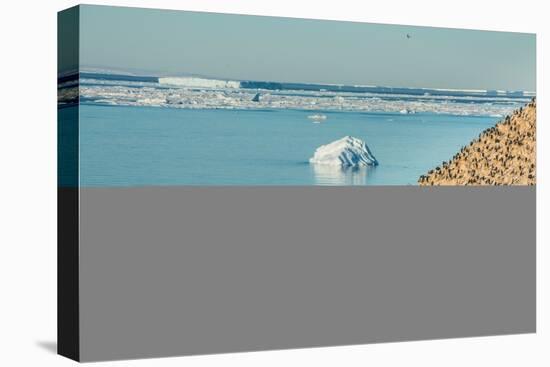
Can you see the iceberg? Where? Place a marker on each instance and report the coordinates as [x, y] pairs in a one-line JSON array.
[[345, 152]]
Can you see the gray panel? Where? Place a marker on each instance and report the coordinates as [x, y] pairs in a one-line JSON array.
[[183, 270]]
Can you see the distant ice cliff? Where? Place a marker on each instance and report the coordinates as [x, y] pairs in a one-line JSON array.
[[345, 152], [193, 82]]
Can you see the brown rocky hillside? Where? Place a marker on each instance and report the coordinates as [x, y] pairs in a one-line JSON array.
[[504, 154]]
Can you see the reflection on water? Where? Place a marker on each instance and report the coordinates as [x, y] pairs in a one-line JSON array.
[[328, 175]]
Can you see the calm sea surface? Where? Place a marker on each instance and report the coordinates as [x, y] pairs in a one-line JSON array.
[[143, 146]]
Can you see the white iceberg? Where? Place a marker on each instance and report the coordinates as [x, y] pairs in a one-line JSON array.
[[345, 152]]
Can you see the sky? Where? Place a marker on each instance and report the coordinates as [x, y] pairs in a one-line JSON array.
[[244, 47]]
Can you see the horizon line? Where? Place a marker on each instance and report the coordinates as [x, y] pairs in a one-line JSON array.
[[159, 74]]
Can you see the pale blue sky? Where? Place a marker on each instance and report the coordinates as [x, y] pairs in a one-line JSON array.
[[298, 50]]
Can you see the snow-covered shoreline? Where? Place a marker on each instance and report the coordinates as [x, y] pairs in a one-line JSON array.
[[203, 93]]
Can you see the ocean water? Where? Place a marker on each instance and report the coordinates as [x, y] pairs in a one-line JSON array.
[[150, 145], [151, 130]]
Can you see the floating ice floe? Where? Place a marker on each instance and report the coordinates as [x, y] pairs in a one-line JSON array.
[[407, 111], [345, 152], [317, 118]]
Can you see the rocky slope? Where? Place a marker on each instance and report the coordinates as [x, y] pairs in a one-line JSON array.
[[504, 154]]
